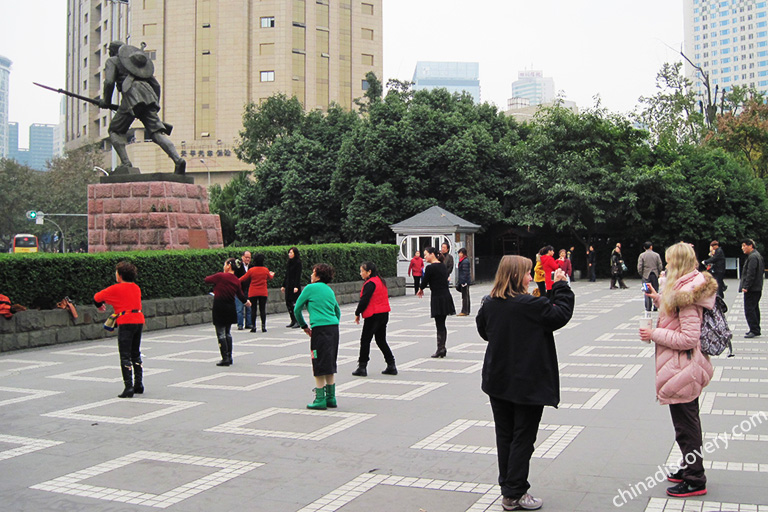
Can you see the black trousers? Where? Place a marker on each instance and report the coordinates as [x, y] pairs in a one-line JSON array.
[[290, 302], [685, 418], [416, 282], [465, 299], [752, 310], [591, 272], [516, 428], [375, 325], [618, 277], [262, 301], [653, 279], [129, 344], [720, 285]]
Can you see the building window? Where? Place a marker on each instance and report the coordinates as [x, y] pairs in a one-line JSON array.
[[365, 85], [267, 76], [268, 22], [367, 34], [367, 60], [368, 9]]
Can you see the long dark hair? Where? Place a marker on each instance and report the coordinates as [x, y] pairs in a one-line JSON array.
[[436, 253], [370, 266], [258, 260], [296, 256]]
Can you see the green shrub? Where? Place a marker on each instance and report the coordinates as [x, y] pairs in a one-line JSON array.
[[40, 280]]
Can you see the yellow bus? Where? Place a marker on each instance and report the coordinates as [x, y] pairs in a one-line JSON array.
[[25, 243]]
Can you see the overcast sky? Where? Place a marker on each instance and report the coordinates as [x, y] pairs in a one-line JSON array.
[[611, 48]]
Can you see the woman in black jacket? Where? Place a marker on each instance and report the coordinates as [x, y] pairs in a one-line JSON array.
[[441, 302], [292, 284], [520, 370]]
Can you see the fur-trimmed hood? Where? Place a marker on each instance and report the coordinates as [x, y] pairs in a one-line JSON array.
[[694, 288]]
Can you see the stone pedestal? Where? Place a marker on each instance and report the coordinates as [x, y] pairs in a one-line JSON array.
[[153, 215]]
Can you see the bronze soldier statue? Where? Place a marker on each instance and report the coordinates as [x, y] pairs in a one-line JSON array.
[[131, 70]]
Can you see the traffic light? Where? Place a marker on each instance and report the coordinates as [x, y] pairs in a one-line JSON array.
[[31, 214]]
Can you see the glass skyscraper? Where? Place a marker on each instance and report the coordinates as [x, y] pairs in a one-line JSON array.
[[5, 75], [454, 76]]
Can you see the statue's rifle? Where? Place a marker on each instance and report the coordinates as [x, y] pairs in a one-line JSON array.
[[74, 95], [111, 106]]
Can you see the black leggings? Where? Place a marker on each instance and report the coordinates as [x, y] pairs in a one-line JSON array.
[[375, 325], [416, 282], [440, 324], [262, 302]]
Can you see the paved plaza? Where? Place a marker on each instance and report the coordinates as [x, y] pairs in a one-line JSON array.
[[209, 439]]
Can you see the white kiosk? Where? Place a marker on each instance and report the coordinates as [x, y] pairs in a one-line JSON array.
[[433, 227]]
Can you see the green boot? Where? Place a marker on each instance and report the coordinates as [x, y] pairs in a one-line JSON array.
[[320, 402], [330, 395]]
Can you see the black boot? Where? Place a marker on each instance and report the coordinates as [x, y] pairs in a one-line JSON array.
[[229, 350], [293, 319], [128, 381], [361, 371], [138, 378], [225, 355], [390, 370], [441, 351]]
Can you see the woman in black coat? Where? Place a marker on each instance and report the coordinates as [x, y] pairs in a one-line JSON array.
[[292, 284], [520, 370], [441, 302]]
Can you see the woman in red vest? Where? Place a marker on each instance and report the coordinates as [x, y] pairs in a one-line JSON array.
[[374, 308]]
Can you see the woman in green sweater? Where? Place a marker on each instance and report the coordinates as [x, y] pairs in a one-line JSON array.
[[323, 331]]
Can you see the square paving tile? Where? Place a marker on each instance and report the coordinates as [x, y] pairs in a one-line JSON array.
[[179, 339], [613, 351], [113, 370], [339, 421], [599, 397], [482, 497], [719, 452], [10, 364], [730, 373], [204, 356], [30, 394], [257, 380], [132, 407], [733, 404], [71, 483], [699, 505], [382, 389], [610, 370], [305, 361], [26, 445], [449, 365], [548, 448]]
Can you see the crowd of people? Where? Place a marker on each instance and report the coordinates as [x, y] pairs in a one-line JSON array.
[[520, 368]]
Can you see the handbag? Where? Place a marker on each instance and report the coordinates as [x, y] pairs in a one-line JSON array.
[[715, 333]]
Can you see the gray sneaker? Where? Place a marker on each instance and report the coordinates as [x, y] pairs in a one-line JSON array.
[[524, 502]]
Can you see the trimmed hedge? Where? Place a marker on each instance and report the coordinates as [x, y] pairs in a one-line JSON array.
[[40, 280]]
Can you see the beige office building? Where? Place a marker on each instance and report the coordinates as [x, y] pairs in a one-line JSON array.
[[212, 57]]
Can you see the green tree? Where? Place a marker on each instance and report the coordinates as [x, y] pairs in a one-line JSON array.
[[575, 173], [671, 115], [745, 134], [20, 189], [263, 124], [223, 201]]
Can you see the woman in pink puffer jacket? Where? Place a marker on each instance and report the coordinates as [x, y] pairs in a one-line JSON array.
[[682, 370]]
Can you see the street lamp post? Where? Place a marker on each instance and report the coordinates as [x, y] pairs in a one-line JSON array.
[[202, 161]]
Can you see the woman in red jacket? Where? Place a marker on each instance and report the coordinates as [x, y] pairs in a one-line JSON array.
[[374, 308], [564, 263], [549, 265], [416, 269], [225, 288], [258, 275], [125, 297]]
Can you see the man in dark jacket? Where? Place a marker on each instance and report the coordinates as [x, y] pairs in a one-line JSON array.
[[591, 264], [716, 266], [448, 259], [752, 286], [243, 317], [465, 277]]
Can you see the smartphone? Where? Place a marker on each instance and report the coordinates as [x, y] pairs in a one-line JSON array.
[[646, 287]]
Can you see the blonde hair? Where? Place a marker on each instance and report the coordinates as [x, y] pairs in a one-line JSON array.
[[681, 260], [509, 277]]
